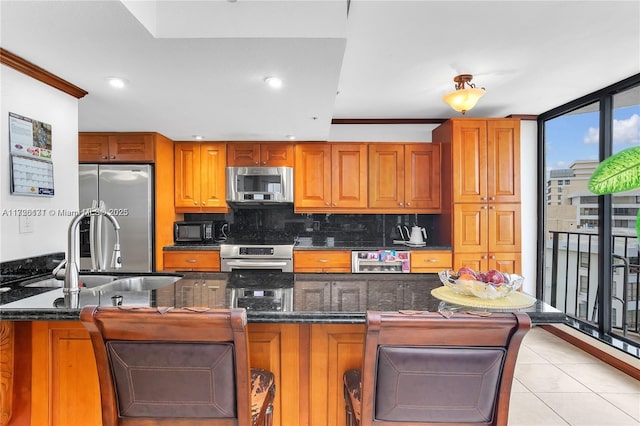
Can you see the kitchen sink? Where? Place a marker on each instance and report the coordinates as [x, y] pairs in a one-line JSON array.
[[89, 281], [139, 283]]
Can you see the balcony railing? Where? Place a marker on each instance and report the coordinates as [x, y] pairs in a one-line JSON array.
[[571, 279]]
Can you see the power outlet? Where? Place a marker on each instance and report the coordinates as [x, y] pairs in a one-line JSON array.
[[25, 224]]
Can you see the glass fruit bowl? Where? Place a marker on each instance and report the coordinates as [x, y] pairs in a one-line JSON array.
[[473, 285]]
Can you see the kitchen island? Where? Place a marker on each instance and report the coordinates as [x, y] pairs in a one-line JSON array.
[[306, 328]]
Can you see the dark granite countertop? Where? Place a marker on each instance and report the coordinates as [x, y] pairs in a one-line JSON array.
[[315, 246], [307, 298]]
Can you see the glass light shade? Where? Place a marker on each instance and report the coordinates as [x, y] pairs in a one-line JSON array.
[[463, 100]]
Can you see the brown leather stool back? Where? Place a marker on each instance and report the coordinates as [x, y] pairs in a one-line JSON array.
[[425, 369], [172, 366]]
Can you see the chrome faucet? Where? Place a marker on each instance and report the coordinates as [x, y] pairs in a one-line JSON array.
[[71, 288]]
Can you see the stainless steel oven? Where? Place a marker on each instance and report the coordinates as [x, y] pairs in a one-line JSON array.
[[256, 256], [261, 276]]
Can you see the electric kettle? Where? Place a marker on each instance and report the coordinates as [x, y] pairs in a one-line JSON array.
[[418, 235]]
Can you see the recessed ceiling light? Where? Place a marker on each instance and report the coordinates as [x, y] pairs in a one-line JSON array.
[[291, 137], [117, 82], [198, 137], [273, 82]]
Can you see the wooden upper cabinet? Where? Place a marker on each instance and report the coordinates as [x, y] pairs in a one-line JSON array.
[[349, 176], [386, 176], [200, 177], [422, 176], [503, 156], [312, 176], [486, 228], [330, 177], [272, 154], [116, 147], [404, 177], [485, 159]]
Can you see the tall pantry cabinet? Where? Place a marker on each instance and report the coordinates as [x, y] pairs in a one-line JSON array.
[[481, 191]]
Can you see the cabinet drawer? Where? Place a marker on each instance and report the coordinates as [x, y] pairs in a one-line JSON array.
[[322, 261], [192, 261], [431, 261]]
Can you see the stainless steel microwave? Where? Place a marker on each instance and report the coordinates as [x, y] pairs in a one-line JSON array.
[[259, 185]]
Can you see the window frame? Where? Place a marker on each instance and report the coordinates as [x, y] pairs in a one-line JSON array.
[[605, 98]]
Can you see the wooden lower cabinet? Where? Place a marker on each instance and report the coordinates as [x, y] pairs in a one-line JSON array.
[[308, 361], [338, 261], [184, 260], [276, 347], [334, 349], [430, 261], [64, 377], [504, 262]]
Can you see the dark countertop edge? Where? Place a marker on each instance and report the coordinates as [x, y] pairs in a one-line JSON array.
[[207, 247], [254, 317], [216, 247], [376, 248]]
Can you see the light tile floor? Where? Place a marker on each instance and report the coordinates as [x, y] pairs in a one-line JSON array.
[[559, 384]]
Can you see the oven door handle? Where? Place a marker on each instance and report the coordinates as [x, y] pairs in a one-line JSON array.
[[258, 265]]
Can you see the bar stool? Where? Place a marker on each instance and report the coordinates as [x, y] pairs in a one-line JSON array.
[[168, 366], [423, 369]]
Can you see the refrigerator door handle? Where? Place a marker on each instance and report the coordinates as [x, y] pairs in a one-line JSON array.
[[92, 238], [102, 262]]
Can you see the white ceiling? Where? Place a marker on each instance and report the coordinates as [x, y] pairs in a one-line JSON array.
[[197, 67]]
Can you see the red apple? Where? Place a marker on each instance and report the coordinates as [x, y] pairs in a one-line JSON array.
[[494, 276], [467, 271]]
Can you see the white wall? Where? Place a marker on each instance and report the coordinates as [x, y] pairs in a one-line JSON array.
[[528, 173], [23, 95]]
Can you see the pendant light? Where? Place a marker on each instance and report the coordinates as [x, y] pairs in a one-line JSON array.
[[466, 94]]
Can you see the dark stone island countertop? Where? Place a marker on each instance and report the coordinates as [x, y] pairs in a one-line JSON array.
[[269, 297]]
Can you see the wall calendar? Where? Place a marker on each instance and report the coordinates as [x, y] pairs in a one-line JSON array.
[[31, 163]]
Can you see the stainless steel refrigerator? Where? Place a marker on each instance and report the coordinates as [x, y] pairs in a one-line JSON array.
[[127, 192]]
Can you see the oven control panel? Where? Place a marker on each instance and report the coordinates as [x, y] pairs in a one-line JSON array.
[[256, 251]]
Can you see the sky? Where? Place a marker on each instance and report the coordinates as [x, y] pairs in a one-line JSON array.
[[575, 136]]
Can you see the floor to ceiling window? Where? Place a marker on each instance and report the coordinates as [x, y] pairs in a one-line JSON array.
[[588, 244]]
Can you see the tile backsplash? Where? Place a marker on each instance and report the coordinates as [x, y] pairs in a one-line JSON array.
[[280, 222]]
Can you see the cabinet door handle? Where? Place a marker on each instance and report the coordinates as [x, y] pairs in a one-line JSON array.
[[484, 207], [493, 257], [334, 204], [322, 260], [104, 157], [191, 260], [195, 203], [492, 207], [431, 260], [113, 157], [204, 203], [401, 204], [483, 257], [492, 198], [326, 203], [408, 204], [483, 198]]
